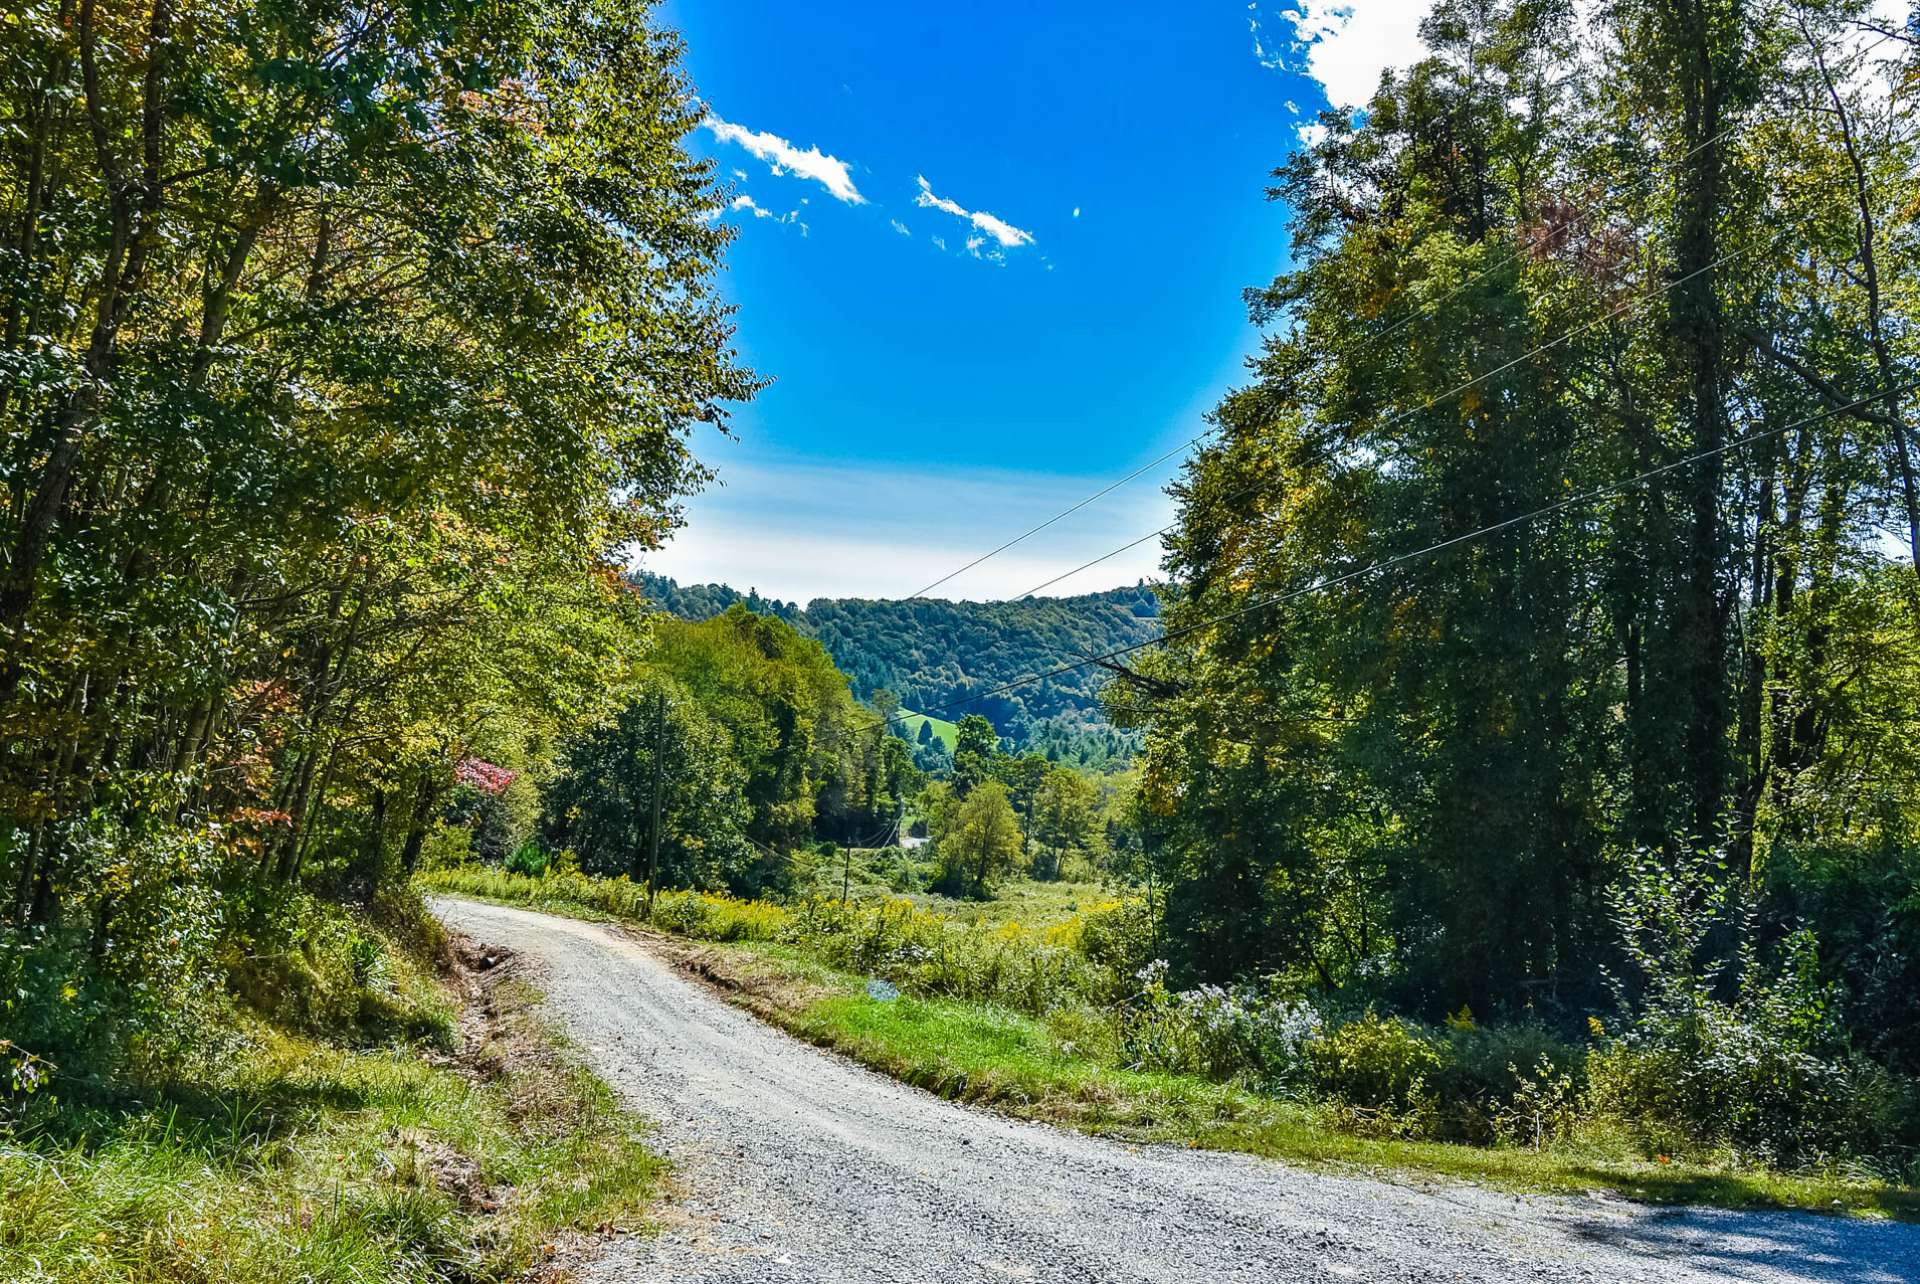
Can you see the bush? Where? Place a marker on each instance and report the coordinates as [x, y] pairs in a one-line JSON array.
[[1252, 1033], [1513, 1083], [528, 859], [313, 966], [1375, 1063], [1118, 938], [1739, 1048]]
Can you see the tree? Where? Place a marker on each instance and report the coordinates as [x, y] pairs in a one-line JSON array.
[[1023, 776], [975, 747], [978, 843], [349, 353], [601, 804], [1420, 703], [1063, 821]]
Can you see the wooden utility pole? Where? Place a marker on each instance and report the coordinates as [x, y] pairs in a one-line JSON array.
[[659, 770], [846, 871]]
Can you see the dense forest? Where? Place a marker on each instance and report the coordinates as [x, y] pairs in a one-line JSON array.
[[1544, 635], [932, 653], [346, 354]]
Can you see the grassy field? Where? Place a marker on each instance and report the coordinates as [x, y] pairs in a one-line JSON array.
[[1027, 902], [1061, 1068], [947, 732], [301, 1159], [883, 873]]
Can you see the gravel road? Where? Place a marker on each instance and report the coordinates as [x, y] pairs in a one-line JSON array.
[[794, 1165]]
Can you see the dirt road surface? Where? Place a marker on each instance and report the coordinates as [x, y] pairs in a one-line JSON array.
[[794, 1166]]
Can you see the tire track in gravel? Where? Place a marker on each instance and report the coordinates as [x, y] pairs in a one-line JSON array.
[[795, 1166]]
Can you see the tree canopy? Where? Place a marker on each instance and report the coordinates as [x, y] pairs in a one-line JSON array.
[[1546, 260], [346, 354]]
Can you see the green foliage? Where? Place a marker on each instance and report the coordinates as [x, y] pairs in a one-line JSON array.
[[1062, 821], [343, 361], [1375, 1064], [816, 764], [1440, 686], [1745, 1053], [978, 842], [931, 654], [529, 859], [600, 805]]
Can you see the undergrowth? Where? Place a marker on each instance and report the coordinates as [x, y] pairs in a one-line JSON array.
[[344, 1129], [1067, 1023]]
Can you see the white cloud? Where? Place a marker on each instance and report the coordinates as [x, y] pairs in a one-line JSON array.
[[998, 228], [940, 241], [1076, 211], [782, 157], [899, 227], [745, 202], [1343, 44]]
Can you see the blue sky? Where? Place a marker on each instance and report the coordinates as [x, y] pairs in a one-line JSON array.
[[993, 259]]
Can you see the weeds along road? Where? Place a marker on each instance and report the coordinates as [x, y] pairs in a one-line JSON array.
[[792, 1164]]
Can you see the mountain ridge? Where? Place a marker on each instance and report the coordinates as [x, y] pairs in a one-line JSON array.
[[934, 653]]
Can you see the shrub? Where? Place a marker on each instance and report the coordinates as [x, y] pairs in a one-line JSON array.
[[1118, 938], [1734, 1048], [1515, 1083], [310, 965], [1378, 1063], [1252, 1033], [528, 859]]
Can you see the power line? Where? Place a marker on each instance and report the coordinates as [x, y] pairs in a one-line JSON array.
[[1429, 404], [1099, 494], [1511, 256], [1335, 581], [1637, 301]]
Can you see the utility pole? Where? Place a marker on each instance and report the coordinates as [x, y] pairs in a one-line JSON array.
[[659, 770], [846, 871]]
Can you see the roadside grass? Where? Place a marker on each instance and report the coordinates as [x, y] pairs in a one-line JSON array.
[[300, 1159], [1061, 1070], [1021, 1066]]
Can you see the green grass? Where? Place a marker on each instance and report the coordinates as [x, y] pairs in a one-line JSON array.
[[1019, 1065], [1025, 901], [301, 1160], [1062, 1069], [947, 732]]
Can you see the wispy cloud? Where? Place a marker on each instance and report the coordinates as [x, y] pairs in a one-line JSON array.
[[747, 204], [782, 157], [1008, 236], [900, 227]]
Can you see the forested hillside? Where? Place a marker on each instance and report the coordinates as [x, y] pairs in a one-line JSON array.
[[932, 653]]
